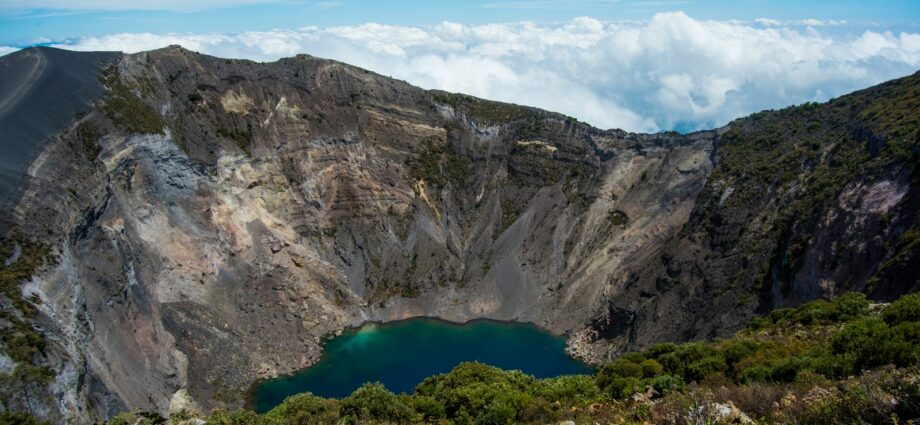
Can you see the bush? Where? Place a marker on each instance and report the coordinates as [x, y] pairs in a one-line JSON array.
[[847, 307], [498, 412], [701, 369], [660, 349], [540, 411], [664, 384], [619, 368], [741, 349], [306, 409], [651, 368], [869, 343], [237, 417], [634, 357], [428, 407], [620, 388], [375, 402], [572, 389], [467, 390], [850, 306], [905, 309]]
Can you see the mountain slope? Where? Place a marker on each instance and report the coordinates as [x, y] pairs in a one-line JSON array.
[[210, 220], [41, 92], [804, 202]]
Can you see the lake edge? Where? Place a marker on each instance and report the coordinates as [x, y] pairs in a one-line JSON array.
[[250, 400]]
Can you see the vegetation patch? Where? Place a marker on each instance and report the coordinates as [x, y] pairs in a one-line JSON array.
[[125, 109], [485, 112], [88, 136], [789, 167], [510, 213], [618, 218], [439, 165], [22, 388], [243, 139]]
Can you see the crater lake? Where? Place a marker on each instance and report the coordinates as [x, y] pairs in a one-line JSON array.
[[401, 354]]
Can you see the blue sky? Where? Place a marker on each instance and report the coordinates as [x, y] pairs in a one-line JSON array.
[[26, 21], [640, 65]]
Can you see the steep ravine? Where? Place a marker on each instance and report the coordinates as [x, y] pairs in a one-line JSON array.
[[209, 220]]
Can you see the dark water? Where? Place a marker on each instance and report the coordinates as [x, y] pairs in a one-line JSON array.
[[402, 354]]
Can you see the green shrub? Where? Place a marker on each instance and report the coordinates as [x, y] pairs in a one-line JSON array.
[[540, 411], [850, 306], [306, 409], [787, 369], [237, 417], [673, 363], [497, 412], [814, 312], [428, 407], [870, 343], [665, 384], [620, 388], [657, 350], [651, 368], [905, 309], [634, 357], [619, 368], [470, 387], [374, 402], [699, 370], [741, 349], [570, 389]]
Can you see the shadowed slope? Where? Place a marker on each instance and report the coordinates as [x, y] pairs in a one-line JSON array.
[[42, 89]]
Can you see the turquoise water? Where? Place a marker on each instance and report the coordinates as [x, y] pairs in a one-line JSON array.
[[401, 354]]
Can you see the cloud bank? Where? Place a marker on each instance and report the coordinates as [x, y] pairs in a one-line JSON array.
[[670, 72]]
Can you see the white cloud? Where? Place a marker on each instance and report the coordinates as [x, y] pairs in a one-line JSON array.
[[671, 71], [5, 50]]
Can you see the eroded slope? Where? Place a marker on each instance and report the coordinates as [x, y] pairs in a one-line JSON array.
[[212, 219]]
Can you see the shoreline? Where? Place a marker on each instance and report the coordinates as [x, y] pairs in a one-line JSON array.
[[249, 402]]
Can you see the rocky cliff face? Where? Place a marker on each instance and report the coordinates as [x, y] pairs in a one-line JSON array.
[[805, 202], [207, 221]]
